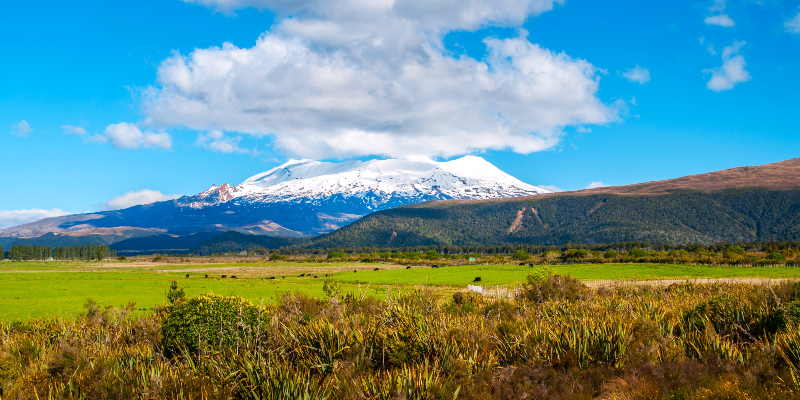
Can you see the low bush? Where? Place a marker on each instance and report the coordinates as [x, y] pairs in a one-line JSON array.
[[210, 321], [553, 287]]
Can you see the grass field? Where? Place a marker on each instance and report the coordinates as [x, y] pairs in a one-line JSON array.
[[35, 289]]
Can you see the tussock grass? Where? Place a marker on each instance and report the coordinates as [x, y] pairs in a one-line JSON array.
[[557, 340]]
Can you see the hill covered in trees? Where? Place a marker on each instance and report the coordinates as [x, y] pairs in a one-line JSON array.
[[681, 216]]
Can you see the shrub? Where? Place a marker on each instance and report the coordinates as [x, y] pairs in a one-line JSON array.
[[432, 255], [208, 320], [611, 254], [520, 255], [277, 257], [337, 254], [775, 256], [554, 287], [577, 254], [638, 253]]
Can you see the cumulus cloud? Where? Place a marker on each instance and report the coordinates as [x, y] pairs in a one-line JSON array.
[[732, 70], [551, 188], [128, 136], [217, 141], [21, 129], [348, 78], [719, 19], [73, 130], [793, 25], [595, 185], [9, 218], [637, 74], [131, 199]]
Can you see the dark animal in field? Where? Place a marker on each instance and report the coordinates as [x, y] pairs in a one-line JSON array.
[[206, 275], [530, 265], [326, 275], [376, 269], [434, 266], [355, 270], [233, 276], [224, 276], [522, 264], [478, 279], [408, 267], [315, 276], [302, 275], [271, 277], [187, 275]]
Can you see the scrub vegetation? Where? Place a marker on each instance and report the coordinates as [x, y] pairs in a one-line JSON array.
[[558, 339]]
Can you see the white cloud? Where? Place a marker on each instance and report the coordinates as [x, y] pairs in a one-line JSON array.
[[637, 74], [9, 218], [73, 130], [711, 50], [793, 25], [349, 78], [128, 136], [217, 141], [21, 129], [732, 70], [551, 188], [720, 20], [597, 184], [583, 129], [131, 199]]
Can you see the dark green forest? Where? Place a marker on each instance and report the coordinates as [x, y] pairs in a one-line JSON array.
[[681, 217], [41, 253]]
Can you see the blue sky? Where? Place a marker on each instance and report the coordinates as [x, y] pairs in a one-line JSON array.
[[99, 99]]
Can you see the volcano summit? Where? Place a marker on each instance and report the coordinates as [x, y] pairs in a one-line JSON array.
[[298, 198]]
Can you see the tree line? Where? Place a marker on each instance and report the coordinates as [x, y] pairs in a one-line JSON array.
[[90, 252]]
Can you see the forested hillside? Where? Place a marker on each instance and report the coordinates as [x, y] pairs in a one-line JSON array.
[[682, 216], [233, 241]]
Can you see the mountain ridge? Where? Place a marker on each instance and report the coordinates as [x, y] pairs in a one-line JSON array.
[[299, 198]]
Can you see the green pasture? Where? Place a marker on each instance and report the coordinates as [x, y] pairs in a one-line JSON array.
[[40, 289]]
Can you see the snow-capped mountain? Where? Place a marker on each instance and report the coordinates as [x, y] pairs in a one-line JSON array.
[[298, 198], [375, 183]]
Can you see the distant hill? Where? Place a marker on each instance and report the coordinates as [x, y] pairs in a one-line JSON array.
[[234, 242], [742, 204]]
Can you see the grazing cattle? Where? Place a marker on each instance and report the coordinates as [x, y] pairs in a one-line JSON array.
[[478, 279], [302, 275], [434, 266], [224, 276], [522, 264], [271, 277], [408, 267], [376, 269], [187, 275], [315, 276], [206, 275], [233, 276], [355, 270]]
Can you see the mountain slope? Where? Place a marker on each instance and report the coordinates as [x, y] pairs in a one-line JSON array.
[[299, 198], [743, 204]]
